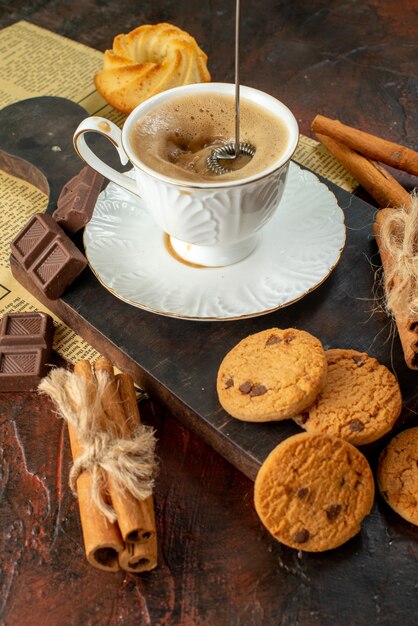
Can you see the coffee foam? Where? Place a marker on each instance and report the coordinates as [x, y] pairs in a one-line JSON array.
[[175, 138]]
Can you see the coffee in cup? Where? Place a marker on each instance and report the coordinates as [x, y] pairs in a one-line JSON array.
[[176, 137]]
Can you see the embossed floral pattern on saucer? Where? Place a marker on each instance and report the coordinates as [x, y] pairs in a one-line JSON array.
[[297, 249]]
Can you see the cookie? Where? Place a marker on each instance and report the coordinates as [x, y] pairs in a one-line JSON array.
[[360, 401], [397, 474], [313, 491], [271, 375]]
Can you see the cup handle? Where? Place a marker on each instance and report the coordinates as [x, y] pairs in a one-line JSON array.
[[113, 133]]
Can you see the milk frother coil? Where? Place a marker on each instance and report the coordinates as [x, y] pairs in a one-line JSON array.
[[231, 151], [228, 151]]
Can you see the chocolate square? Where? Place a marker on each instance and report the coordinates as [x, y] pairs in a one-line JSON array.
[[27, 329], [57, 267], [22, 368], [49, 256], [77, 200], [37, 233], [25, 349]]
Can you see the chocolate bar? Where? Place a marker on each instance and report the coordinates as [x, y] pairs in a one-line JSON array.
[[77, 200], [48, 255], [25, 349]]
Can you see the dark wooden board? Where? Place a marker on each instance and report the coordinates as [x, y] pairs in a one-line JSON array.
[[177, 360]]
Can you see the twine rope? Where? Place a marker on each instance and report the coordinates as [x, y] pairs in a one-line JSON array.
[[129, 462], [399, 235]]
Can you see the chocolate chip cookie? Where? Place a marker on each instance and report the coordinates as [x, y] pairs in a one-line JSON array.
[[313, 491], [397, 474], [360, 401], [271, 375]]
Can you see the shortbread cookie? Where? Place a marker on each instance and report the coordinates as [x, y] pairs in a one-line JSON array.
[[313, 491], [397, 474], [149, 59], [360, 402], [271, 375]]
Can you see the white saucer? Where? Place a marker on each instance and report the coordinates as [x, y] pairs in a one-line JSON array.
[[296, 251]]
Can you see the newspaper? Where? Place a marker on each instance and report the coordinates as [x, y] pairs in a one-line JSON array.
[[36, 62], [315, 156]]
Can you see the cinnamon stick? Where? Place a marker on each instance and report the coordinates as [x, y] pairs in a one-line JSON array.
[[102, 540], [135, 517], [373, 177], [408, 337], [373, 147], [130, 406], [139, 557]]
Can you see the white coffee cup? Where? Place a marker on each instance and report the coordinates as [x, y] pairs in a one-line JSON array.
[[211, 224]]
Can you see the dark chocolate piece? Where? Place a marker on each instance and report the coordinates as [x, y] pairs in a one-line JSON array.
[[77, 200], [21, 369], [48, 255], [57, 267], [25, 349], [27, 329], [34, 237]]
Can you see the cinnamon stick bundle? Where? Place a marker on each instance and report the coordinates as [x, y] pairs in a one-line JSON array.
[[113, 461], [371, 146], [407, 324], [135, 517], [356, 149]]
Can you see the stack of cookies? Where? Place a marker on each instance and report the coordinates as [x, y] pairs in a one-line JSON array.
[[315, 488]]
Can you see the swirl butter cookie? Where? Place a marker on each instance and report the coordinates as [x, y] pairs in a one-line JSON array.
[[313, 491], [147, 60], [360, 401], [397, 474], [271, 375]]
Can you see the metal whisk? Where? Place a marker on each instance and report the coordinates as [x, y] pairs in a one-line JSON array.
[[231, 151]]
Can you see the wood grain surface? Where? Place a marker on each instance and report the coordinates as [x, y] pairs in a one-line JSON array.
[[217, 565]]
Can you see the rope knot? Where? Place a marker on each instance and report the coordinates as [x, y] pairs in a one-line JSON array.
[[129, 462], [94, 455]]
